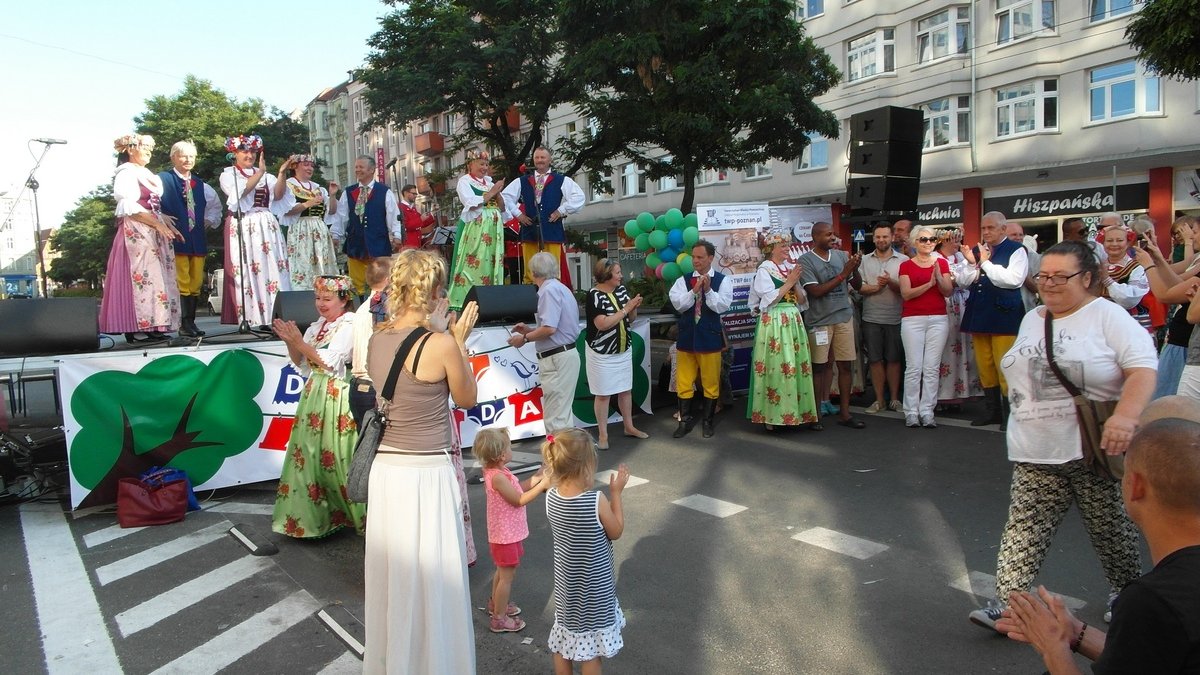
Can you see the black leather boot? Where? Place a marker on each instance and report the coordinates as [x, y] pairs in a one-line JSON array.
[[710, 408], [686, 421], [187, 322], [991, 410], [1004, 410]]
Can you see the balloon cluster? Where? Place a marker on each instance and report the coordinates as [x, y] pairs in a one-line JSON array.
[[668, 239]]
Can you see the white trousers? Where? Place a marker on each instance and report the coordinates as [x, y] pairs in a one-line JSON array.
[[560, 375], [924, 337]]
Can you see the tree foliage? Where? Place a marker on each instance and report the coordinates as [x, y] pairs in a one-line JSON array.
[[712, 83], [478, 60], [1166, 34], [84, 239]]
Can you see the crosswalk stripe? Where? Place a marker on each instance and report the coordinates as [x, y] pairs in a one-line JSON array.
[[603, 477], [242, 508], [163, 552], [185, 595], [74, 637], [984, 585], [710, 505], [108, 534], [245, 637], [346, 664], [840, 542]]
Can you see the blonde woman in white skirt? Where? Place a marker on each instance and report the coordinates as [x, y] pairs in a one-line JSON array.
[[608, 357]]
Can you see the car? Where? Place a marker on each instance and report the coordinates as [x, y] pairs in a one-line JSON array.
[[216, 291]]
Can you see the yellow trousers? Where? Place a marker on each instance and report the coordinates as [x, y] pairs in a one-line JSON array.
[[358, 274], [528, 248], [189, 272], [688, 365], [989, 349]]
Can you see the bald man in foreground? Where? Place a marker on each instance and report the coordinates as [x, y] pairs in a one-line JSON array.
[[1156, 621]]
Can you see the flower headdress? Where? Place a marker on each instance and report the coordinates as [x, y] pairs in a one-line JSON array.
[[473, 155], [253, 142], [342, 285], [776, 235], [130, 141], [296, 159]]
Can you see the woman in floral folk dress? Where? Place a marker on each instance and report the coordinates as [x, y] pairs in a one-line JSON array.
[[781, 381], [479, 248], [311, 500], [306, 210], [958, 374], [141, 298]]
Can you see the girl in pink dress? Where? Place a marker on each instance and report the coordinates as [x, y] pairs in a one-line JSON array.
[[507, 526]]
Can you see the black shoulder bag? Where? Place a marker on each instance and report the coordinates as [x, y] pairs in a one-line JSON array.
[[1091, 415], [374, 422]]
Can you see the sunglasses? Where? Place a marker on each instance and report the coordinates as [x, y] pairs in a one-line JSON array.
[[927, 240]]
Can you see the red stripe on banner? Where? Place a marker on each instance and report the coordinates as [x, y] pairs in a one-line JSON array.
[[278, 433]]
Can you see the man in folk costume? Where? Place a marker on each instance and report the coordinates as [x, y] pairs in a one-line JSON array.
[[546, 198], [994, 309], [700, 298], [194, 205], [367, 223], [416, 226]]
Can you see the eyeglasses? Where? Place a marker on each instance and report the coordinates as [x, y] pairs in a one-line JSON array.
[[1054, 279], [927, 240]]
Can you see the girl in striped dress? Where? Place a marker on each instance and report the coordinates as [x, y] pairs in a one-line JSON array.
[[584, 523]]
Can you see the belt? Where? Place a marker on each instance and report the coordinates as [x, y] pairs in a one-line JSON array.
[[553, 350]]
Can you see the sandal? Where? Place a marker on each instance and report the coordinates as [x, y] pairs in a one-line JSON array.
[[511, 610], [852, 423], [507, 624]]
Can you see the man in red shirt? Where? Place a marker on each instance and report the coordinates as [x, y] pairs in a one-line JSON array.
[[415, 224]]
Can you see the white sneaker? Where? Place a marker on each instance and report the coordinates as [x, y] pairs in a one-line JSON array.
[[910, 421], [928, 422], [874, 408]]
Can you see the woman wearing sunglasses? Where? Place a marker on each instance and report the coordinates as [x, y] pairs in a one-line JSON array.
[[925, 284]]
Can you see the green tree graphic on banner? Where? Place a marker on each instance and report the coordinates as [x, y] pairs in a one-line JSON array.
[[175, 411], [583, 404]]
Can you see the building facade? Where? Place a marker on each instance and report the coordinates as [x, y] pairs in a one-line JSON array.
[[18, 252], [1035, 108]]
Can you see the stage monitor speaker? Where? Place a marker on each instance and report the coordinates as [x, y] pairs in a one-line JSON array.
[[883, 193], [49, 326], [889, 123], [896, 158], [298, 306], [504, 305]]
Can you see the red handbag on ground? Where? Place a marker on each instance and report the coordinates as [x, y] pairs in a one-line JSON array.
[[150, 501]]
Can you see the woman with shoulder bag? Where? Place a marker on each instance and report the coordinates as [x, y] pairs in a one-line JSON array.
[[418, 607], [1103, 351]]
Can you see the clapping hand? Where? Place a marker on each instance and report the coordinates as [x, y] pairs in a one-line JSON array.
[[439, 316], [262, 162], [287, 331], [634, 303], [461, 326], [618, 479], [968, 254], [334, 187], [985, 252], [793, 274]]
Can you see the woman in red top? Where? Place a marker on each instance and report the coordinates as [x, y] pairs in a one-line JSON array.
[[925, 283]]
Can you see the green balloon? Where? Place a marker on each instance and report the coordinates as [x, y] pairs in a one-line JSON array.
[[645, 221], [671, 272], [691, 235], [658, 239], [642, 241], [660, 223], [632, 230], [653, 261], [674, 219], [691, 220], [685, 264]]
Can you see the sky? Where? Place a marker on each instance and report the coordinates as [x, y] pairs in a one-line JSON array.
[[81, 70]]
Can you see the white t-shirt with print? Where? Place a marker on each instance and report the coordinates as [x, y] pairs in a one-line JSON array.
[[1093, 347]]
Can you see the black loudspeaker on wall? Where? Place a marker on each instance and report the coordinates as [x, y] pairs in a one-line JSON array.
[[504, 304], [49, 326], [895, 158], [298, 306], [883, 193]]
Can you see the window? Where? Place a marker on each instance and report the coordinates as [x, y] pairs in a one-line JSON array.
[[815, 155], [633, 180], [945, 33], [451, 120], [1122, 90], [1026, 108], [807, 9], [602, 189], [667, 183], [758, 171], [871, 55], [947, 121], [708, 176], [1018, 19], [357, 112], [1107, 9]]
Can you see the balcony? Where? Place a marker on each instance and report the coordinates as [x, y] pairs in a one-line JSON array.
[[430, 143], [512, 119], [424, 186]]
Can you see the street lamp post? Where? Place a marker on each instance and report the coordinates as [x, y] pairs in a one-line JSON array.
[[32, 184]]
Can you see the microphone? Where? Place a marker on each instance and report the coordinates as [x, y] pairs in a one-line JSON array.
[[50, 141]]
